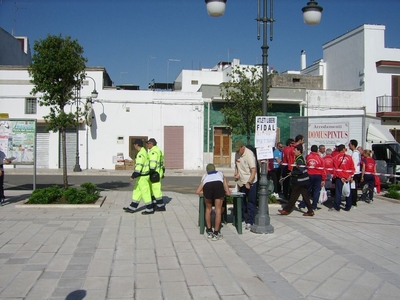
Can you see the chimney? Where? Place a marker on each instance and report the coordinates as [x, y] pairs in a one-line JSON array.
[[303, 59]]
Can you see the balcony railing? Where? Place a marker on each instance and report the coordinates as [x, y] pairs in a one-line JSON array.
[[388, 104]]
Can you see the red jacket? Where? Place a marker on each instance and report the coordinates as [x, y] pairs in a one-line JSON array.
[[328, 163], [315, 165], [288, 156], [344, 165]]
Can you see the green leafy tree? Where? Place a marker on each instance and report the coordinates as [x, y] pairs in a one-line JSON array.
[[243, 100], [57, 69]]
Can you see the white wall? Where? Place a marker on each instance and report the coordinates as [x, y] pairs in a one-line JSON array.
[[116, 113], [328, 103]]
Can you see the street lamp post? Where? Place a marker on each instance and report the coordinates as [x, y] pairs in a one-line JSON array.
[[94, 94], [311, 16], [170, 59]]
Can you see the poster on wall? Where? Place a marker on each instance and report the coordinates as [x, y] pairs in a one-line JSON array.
[[17, 140]]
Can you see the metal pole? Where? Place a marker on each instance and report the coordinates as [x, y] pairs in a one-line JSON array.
[[262, 220], [77, 167]]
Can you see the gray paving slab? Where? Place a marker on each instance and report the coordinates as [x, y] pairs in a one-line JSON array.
[[105, 253]]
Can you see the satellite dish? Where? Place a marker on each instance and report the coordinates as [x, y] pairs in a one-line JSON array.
[[89, 114]]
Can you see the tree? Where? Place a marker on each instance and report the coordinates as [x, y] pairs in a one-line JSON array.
[[57, 69], [243, 100]]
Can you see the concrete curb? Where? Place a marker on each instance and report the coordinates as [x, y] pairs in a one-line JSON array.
[[98, 204]]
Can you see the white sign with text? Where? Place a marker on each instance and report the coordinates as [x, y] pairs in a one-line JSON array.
[[265, 135]]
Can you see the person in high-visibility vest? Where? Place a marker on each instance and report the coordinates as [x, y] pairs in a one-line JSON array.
[[156, 157], [141, 189]]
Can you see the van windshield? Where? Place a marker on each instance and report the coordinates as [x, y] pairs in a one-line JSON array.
[[387, 152]]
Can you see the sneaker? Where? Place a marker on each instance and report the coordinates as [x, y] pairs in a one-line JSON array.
[[217, 236], [332, 209], [248, 226], [209, 233], [2, 202], [354, 207]]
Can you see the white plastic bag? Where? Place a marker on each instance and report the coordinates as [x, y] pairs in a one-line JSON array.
[[323, 195], [346, 189]]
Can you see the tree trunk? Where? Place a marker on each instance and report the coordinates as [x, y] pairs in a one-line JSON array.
[[64, 158]]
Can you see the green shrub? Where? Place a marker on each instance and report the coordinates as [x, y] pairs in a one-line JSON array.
[[90, 188], [87, 194], [393, 191], [45, 196]]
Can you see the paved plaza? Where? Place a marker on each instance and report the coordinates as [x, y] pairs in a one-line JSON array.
[[105, 253]]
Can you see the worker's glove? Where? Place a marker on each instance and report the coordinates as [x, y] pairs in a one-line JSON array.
[[135, 174]]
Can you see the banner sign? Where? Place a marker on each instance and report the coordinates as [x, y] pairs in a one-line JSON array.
[[17, 140], [328, 134]]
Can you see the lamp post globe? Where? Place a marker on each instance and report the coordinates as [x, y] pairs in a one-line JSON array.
[[312, 13], [216, 8]]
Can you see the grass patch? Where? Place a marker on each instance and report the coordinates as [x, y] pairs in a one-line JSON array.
[[87, 194]]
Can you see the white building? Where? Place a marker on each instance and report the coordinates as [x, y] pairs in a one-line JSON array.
[[359, 61], [174, 119]]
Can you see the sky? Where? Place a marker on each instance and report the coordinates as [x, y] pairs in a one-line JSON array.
[[140, 40]]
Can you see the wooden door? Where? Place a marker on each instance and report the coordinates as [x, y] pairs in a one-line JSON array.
[[222, 147]]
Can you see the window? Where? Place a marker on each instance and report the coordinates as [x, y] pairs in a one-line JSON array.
[[30, 106], [195, 82]]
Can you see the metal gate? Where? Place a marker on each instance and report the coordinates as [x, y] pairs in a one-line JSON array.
[[71, 149], [42, 147]]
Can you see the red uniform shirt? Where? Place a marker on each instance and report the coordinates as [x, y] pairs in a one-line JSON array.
[[315, 165], [369, 165], [344, 165]]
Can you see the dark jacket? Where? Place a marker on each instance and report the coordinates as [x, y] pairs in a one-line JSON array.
[[299, 172]]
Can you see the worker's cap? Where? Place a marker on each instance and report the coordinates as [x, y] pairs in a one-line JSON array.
[[210, 168], [237, 145], [153, 141], [138, 142]]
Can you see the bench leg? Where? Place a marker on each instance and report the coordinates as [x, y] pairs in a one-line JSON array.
[[237, 208], [225, 213], [201, 221]]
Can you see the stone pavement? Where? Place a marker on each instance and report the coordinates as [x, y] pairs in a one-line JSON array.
[[105, 253]]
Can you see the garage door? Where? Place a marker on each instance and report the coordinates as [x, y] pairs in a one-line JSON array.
[[173, 147]]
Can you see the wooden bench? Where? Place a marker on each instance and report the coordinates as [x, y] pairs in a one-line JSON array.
[[236, 212]]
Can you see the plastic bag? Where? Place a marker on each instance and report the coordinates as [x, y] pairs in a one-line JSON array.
[[323, 195], [346, 189]]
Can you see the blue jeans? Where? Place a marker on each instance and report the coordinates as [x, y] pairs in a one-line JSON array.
[[338, 196], [314, 188], [249, 206]]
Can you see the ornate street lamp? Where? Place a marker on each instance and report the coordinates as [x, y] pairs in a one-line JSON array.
[[94, 94], [312, 16]]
